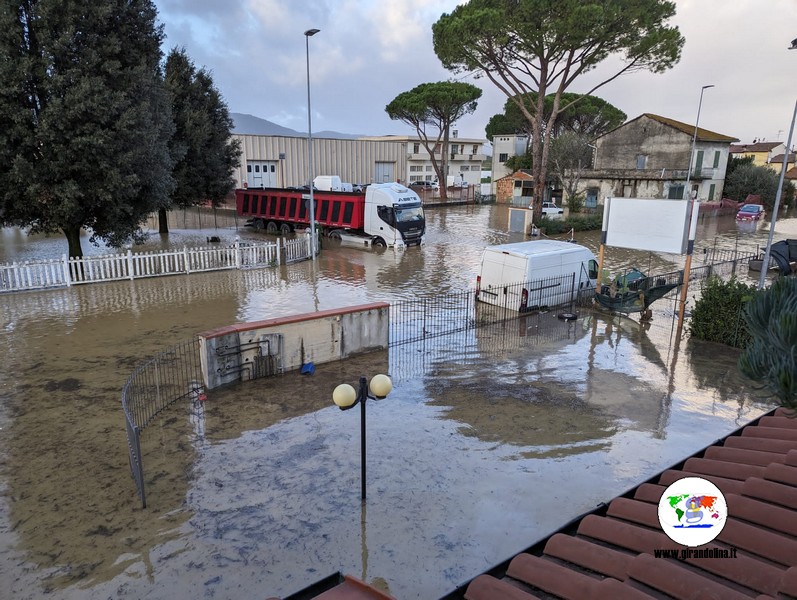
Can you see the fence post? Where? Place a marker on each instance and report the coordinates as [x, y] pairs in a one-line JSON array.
[[309, 247], [67, 277], [279, 252], [130, 263], [185, 259], [237, 253]]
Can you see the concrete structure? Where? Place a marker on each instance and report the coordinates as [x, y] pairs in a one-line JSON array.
[[251, 350], [465, 156], [280, 161]]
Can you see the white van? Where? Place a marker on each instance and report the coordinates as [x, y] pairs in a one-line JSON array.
[[328, 183], [530, 275]]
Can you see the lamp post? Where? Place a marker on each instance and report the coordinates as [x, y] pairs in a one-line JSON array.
[[307, 35], [690, 247], [345, 397], [767, 253], [694, 142]]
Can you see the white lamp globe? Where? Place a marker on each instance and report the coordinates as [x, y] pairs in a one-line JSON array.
[[344, 396], [380, 385]]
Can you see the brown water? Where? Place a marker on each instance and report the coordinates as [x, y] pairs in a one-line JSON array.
[[490, 440]]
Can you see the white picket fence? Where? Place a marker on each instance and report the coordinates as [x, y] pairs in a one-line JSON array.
[[40, 274]]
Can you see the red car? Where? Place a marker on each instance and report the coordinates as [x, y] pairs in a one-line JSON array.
[[750, 212]]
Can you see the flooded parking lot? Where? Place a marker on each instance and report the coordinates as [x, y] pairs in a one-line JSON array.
[[491, 439]]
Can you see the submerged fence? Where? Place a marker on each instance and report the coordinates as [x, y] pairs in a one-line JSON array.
[[172, 375], [64, 272]]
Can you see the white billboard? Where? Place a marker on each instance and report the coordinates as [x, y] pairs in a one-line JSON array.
[[649, 224]]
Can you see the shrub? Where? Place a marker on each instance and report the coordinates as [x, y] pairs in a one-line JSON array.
[[581, 222], [771, 354], [718, 317]]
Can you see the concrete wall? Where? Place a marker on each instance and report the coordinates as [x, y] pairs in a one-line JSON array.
[[249, 350]]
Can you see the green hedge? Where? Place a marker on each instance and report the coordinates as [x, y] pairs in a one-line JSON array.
[[580, 222], [718, 315]]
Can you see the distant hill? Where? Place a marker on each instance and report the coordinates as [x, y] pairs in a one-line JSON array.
[[256, 126]]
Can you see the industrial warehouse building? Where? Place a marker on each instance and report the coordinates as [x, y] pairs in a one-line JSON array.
[[282, 161]]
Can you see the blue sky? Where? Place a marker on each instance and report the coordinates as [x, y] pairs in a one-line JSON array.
[[369, 51]]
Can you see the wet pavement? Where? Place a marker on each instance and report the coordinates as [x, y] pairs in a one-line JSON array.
[[533, 421]]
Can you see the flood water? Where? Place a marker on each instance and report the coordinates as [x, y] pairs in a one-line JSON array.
[[491, 439]]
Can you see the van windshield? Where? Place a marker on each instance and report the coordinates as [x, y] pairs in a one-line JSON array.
[[405, 215]]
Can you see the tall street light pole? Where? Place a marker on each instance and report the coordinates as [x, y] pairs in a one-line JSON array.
[[307, 35], [767, 253], [688, 192], [694, 143]]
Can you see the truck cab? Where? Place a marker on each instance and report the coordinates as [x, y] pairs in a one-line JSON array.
[[393, 215]]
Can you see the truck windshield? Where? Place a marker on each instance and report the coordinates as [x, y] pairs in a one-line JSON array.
[[405, 215]]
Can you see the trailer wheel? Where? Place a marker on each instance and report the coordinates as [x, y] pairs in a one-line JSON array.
[[379, 243], [271, 227], [258, 224], [285, 229]]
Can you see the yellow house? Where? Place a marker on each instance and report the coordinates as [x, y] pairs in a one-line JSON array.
[[762, 152], [776, 162]]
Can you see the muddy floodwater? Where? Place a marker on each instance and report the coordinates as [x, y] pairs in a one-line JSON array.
[[491, 439]]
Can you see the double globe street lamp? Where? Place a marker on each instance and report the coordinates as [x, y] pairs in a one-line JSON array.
[[345, 397]]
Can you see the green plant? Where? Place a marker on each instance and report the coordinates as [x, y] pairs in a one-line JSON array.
[[575, 203], [581, 222], [717, 316], [771, 354]]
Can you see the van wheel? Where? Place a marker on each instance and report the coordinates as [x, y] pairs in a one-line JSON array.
[[258, 224], [285, 229], [271, 227], [379, 243]]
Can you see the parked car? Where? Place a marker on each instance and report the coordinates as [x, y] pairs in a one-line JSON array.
[[750, 212], [550, 209], [425, 185]]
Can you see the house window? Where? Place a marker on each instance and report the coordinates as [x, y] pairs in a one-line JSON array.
[[676, 192], [503, 157], [416, 168], [592, 198], [641, 161], [711, 189], [464, 168], [429, 168], [475, 149], [716, 159], [416, 148]]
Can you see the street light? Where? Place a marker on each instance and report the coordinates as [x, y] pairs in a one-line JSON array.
[[690, 247], [307, 35], [345, 397], [694, 142], [767, 253]]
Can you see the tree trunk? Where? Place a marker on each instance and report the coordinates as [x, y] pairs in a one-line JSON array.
[[444, 157], [163, 224], [73, 239]]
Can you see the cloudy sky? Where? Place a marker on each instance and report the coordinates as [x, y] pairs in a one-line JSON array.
[[368, 51]]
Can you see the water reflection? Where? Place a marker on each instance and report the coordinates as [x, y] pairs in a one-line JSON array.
[[258, 495]]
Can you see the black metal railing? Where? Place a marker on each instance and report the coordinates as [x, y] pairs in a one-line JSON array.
[[425, 318], [172, 375]]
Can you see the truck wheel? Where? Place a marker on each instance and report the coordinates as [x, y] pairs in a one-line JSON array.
[[334, 234], [271, 227], [285, 229], [379, 243], [258, 224]]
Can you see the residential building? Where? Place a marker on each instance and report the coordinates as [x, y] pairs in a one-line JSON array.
[[776, 162], [465, 156], [648, 157], [762, 152], [505, 147]]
